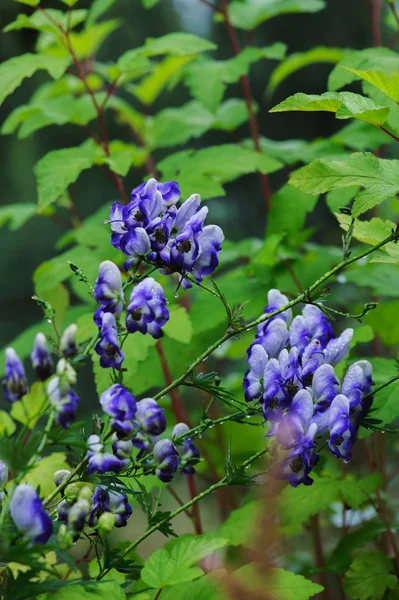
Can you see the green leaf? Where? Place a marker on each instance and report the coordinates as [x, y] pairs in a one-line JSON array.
[[149, 88], [178, 44], [179, 325], [29, 2], [174, 126], [203, 588], [360, 136], [7, 425], [384, 322], [279, 583], [16, 69], [388, 83], [371, 58], [206, 170], [208, 79], [345, 105], [239, 528], [369, 577], [31, 407], [248, 14], [16, 215], [379, 177], [341, 557], [289, 209], [299, 60], [175, 562], [101, 590], [97, 8], [231, 114], [372, 232], [59, 168], [42, 473], [39, 21]]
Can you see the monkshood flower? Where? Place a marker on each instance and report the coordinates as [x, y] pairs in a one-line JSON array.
[[189, 454], [112, 502], [60, 476], [147, 311], [166, 459], [108, 291], [68, 344], [150, 416], [26, 509], [101, 461], [291, 371], [342, 432], [41, 358], [173, 238], [108, 347], [121, 448], [3, 474], [65, 402], [120, 404], [14, 382], [78, 513], [301, 460]]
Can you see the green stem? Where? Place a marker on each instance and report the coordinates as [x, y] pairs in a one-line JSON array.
[[382, 386], [222, 483], [304, 297]]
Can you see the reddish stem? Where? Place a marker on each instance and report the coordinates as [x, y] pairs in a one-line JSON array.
[[159, 592], [247, 93], [195, 509], [376, 21], [319, 556]]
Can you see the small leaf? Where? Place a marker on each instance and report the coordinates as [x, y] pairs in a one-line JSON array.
[[179, 325], [42, 474], [369, 577], [345, 105], [59, 168], [249, 14], [175, 563], [379, 177], [15, 216], [31, 407], [178, 44], [280, 584], [7, 425], [388, 83], [97, 8], [16, 69], [299, 60]]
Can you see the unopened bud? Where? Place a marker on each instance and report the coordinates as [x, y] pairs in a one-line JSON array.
[[72, 492], [106, 523], [68, 344], [67, 375], [60, 476], [78, 514], [3, 474]]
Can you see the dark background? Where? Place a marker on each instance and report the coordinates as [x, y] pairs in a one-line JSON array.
[[344, 23]]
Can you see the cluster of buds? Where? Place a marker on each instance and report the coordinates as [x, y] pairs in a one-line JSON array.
[[292, 373]]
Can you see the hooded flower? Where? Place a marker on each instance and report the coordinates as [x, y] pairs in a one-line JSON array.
[[150, 417], [64, 400], [188, 453], [254, 377], [14, 382], [147, 311], [41, 358], [166, 459], [101, 461], [342, 432], [68, 344], [26, 509], [108, 347], [108, 291]]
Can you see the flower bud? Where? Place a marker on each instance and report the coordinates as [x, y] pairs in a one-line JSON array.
[[60, 476], [121, 448], [14, 383], [68, 344], [150, 416], [78, 514], [64, 538], [72, 492], [94, 443], [41, 358], [106, 523], [30, 518], [188, 453], [66, 374], [3, 474]]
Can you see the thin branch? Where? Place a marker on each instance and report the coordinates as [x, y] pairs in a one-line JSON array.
[[376, 21], [392, 135], [319, 556]]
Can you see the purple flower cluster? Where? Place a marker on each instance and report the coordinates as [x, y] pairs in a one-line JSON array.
[[62, 396], [175, 239], [292, 373], [139, 425]]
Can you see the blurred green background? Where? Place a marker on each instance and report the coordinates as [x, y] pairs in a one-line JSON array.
[[241, 211]]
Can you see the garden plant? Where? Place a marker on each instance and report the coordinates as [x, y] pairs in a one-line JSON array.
[[242, 442]]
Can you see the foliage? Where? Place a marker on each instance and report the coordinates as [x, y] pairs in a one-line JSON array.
[[158, 318]]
